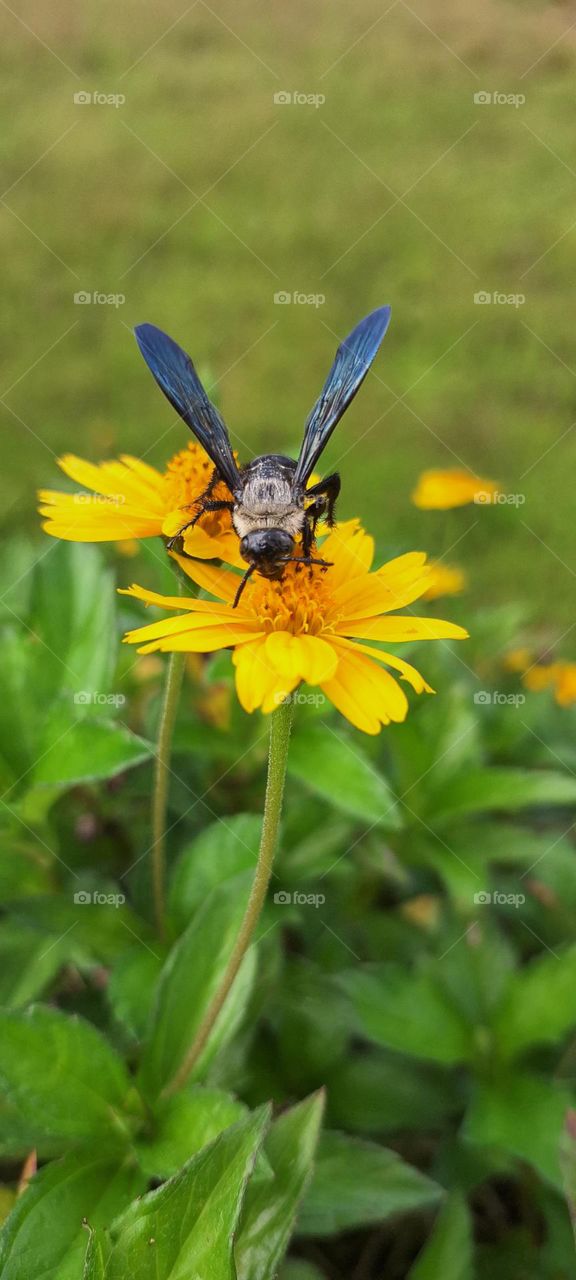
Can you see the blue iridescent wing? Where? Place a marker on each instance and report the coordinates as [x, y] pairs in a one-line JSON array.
[[353, 359], [177, 377]]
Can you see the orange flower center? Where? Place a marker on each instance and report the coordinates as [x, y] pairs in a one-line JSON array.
[[187, 476], [300, 602]]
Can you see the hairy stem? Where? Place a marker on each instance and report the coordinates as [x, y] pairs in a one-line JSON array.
[[281, 721], [161, 780]]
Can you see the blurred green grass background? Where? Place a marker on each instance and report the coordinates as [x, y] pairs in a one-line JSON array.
[[199, 198]]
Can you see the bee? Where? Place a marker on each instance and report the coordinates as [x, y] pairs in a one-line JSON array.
[[273, 511]]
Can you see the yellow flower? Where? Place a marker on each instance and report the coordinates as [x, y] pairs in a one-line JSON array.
[[560, 676], [447, 580], [131, 499], [440, 490], [308, 626], [518, 660]]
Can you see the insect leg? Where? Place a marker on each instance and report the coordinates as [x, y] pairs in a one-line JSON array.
[[327, 490], [203, 503]]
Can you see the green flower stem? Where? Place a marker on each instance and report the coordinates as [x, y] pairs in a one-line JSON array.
[[281, 721], [172, 687]]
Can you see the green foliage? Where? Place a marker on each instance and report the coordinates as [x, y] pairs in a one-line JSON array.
[[414, 972], [188, 983], [449, 1251], [357, 1183], [342, 774]]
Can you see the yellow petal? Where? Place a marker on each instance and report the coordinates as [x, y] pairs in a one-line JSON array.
[[366, 694], [110, 528], [113, 479], [257, 681], [351, 552], [301, 657], [319, 659], [393, 629], [180, 602], [200, 640], [188, 622], [407, 671], [370, 595], [219, 582], [454, 487], [445, 580]]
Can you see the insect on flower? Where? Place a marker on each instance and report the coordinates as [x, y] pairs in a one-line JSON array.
[[272, 508]]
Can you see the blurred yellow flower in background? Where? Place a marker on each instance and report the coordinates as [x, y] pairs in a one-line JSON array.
[[131, 499], [441, 490], [308, 626], [518, 660], [446, 580], [558, 676]]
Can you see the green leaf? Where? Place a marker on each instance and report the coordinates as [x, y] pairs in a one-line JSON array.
[[74, 605], [62, 1083], [524, 1115], [223, 850], [189, 981], [342, 774], [409, 1012], [482, 790], [84, 925], [97, 1255], [184, 1124], [357, 1183], [382, 1092], [44, 1236], [297, 1269], [568, 1163], [449, 1251], [271, 1205], [86, 751], [28, 962], [65, 647], [186, 1228], [538, 1006], [132, 986]]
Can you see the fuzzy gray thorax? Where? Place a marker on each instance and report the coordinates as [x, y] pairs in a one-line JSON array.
[[268, 500]]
